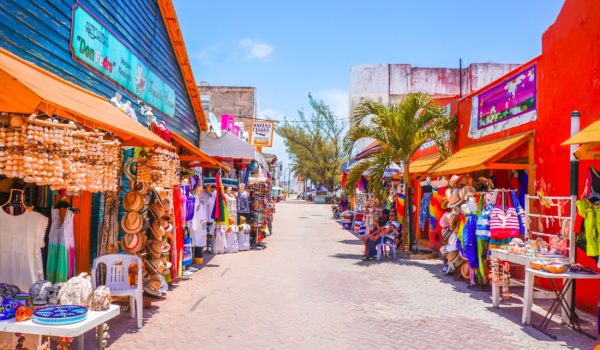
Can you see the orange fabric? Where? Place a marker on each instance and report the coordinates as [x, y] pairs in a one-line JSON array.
[[81, 231], [422, 165], [26, 88]]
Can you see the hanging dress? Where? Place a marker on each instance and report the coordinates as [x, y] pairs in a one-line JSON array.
[[232, 207], [61, 248], [197, 225]]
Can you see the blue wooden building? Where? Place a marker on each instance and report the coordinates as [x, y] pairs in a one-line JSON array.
[[144, 31]]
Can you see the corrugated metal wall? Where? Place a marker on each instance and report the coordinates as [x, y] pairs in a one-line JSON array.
[[39, 31]]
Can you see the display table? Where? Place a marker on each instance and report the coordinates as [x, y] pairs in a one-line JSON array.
[[517, 259], [76, 330], [562, 300]]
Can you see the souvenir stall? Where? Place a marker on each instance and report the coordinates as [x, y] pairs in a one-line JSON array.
[[59, 144], [260, 213]]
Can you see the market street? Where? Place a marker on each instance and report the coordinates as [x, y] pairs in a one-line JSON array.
[[309, 290]]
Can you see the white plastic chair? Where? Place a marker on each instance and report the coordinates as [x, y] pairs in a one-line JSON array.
[[117, 280], [391, 246]]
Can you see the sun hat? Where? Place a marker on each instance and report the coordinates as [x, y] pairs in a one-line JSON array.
[[454, 199], [454, 180], [153, 285], [133, 201], [167, 226], [162, 195], [142, 187], [155, 248], [158, 232], [133, 242], [445, 220], [159, 211], [133, 222], [466, 192]]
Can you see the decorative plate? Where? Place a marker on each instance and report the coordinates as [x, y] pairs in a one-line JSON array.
[[60, 314]]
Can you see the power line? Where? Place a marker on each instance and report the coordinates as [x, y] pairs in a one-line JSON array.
[[288, 121]]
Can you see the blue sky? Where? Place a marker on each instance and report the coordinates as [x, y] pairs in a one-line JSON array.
[[287, 49]]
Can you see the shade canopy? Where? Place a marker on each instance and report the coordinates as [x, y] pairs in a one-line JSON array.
[[230, 146], [422, 165], [26, 88], [589, 139], [483, 156]]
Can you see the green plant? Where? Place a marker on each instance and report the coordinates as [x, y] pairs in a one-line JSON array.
[[400, 129]]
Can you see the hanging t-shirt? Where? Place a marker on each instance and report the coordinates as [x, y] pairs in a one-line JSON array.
[[243, 202], [21, 241], [209, 200]]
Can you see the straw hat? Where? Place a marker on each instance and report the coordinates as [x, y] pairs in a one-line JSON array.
[[158, 232], [466, 192], [159, 211], [162, 195], [133, 242], [167, 226], [133, 201], [454, 180], [155, 248], [160, 266], [153, 285], [465, 271], [133, 222], [454, 199]]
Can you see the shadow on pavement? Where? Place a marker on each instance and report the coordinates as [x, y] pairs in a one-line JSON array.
[[351, 241], [510, 309]]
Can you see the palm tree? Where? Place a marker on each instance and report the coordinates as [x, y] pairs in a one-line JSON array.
[[400, 129]]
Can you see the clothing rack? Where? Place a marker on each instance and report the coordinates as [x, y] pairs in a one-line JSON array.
[[555, 203]]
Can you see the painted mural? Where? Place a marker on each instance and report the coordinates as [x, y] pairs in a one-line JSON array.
[[508, 104]]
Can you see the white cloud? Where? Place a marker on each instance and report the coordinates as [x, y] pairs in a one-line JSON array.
[[337, 99], [269, 113], [257, 50]]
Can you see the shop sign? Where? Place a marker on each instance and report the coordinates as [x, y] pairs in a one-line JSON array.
[[510, 103], [97, 47], [227, 122], [261, 133]]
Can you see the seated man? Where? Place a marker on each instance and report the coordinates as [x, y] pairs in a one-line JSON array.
[[385, 233]]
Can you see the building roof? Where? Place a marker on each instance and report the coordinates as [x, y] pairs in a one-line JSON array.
[[172, 24]]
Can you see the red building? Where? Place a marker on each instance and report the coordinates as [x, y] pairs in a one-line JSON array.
[[527, 136]]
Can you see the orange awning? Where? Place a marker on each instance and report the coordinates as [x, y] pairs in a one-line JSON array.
[[483, 156], [26, 88], [588, 139], [196, 154], [422, 165]]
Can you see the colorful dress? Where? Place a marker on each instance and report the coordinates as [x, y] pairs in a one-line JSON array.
[[61, 248]]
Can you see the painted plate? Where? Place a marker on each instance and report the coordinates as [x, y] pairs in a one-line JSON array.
[[60, 314]]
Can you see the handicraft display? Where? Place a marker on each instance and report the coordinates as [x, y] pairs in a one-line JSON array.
[[60, 155]]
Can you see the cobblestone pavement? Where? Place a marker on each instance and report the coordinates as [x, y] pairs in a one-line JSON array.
[[309, 290]]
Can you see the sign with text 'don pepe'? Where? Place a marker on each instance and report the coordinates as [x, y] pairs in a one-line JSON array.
[[261, 133], [97, 47]]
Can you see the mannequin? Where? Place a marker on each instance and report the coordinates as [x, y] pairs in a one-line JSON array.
[[243, 203], [116, 100], [198, 225], [231, 204], [130, 111]]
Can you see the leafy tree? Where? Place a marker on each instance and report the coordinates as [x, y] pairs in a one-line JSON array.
[[400, 130], [315, 144]]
